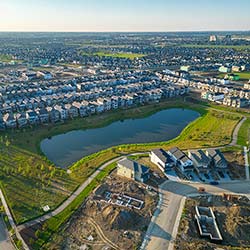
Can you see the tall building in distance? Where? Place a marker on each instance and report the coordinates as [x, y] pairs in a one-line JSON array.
[[213, 38]]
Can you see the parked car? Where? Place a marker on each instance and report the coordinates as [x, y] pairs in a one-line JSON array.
[[214, 183]]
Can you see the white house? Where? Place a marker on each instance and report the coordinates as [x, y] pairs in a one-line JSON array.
[[181, 159], [162, 159]]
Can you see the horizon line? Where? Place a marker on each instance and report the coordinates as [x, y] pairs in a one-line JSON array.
[[139, 31]]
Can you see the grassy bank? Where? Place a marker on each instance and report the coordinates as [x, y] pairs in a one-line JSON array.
[[244, 133]]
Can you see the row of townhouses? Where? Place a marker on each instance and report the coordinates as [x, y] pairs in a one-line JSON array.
[[214, 91], [47, 109]]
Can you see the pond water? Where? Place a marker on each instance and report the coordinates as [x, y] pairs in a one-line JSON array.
[[65, 149]]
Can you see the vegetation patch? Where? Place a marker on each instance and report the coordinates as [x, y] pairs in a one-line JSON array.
[[53, 224]]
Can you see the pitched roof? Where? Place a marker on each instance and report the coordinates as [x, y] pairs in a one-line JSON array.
[[133, 165]]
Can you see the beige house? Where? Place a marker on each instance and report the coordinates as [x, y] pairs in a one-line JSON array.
[[132, 170]]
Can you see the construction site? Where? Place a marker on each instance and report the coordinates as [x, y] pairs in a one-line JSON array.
[[215, 222], [115, 216]]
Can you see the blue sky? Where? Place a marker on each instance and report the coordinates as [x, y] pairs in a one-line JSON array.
[[124, 15]]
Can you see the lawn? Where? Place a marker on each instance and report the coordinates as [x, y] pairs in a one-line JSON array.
[[244, 133], [130, 56], [5, 58], [242, 75]]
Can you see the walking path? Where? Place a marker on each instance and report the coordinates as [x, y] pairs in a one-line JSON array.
[[5, 242], [11, 220]]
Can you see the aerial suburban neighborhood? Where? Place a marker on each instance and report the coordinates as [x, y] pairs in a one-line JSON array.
[[124, 125]]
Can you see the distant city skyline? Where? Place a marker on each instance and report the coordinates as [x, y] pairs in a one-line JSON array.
[[124, 15]]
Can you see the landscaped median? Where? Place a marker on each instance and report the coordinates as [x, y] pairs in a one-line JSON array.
[[53, 224]]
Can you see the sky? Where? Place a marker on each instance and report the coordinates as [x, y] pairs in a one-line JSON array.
[[124, 15]]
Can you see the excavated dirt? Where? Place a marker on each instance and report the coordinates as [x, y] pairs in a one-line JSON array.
[[233, 219], [122, 226]]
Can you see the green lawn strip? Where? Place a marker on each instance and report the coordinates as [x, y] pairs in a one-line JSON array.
[[244, 133], [130, 56], [242, 75], [53, 224]]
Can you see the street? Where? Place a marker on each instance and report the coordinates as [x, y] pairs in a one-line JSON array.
[[5, 242]]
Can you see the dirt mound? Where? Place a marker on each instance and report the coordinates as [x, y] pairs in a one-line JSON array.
[[124, 220]]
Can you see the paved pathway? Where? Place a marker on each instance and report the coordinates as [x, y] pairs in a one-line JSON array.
[[5, 242], [236, 131]]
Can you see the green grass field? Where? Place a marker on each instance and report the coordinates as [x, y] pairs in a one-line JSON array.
[[244, 133], [130, 56], [29, 183], [5, 58], [243, 75]]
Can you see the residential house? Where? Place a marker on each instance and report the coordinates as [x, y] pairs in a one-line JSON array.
[[82, 108], [181, 159], [132, 170], [64, 114], [162, 159], [2, 124], [217, 157], [32, 117], [200, 160], [54, 115], [21, 119], [72, 110], [9, 120], [43, 115]]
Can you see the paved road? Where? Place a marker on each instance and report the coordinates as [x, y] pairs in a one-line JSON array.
[[163, 229], [5, 243], [72, 196]]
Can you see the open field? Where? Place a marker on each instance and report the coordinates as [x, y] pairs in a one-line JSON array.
[[35, 175], [242, 75], [244, 133], [29, 183], [211, 46], [5, 58], [130, 56], [53, 224]]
